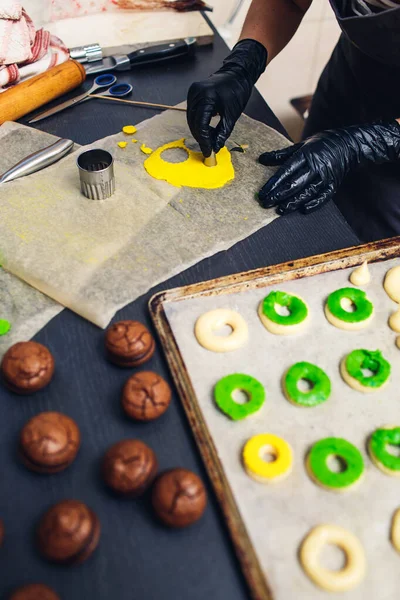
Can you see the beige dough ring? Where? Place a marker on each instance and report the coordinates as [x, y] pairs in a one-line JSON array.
[[346, 578], [259, 469], [395, 532], [209, 322]]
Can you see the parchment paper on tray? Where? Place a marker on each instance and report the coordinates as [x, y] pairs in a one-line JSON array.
[[25, 308], [95, 257]]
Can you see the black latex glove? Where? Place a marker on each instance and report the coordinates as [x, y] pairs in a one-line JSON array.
[[312, 171], [226, 93]]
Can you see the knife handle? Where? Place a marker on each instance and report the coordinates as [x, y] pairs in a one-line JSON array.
[[38, 160], [155, 54]]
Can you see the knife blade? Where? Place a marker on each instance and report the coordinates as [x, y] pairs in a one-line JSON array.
[[143, 56]]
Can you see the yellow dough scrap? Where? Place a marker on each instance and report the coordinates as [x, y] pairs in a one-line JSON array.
[[122, 144], [192, 172], [392, 284], [361, 275], [134, 141], [146, 149], [129, 129]]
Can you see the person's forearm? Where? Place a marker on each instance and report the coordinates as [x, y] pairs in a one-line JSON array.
[[274, 22]]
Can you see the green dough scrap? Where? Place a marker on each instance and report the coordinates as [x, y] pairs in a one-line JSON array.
[[249, 385], [5, 326]]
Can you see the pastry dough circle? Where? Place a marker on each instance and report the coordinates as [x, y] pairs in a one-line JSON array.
[[207, 323], [395, 532], [378, 459], [277, 328], [344, 324], [356, 385], [346, 578], [259, 469], [392, 284]]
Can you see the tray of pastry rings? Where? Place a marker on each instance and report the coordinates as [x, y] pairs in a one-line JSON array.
[[290, 378]]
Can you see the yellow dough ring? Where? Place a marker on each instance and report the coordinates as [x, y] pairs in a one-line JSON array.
[[259, 469]]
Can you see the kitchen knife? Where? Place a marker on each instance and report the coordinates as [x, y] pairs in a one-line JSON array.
[[143, 56]]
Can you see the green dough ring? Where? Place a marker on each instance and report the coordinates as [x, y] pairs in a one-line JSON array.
[[5, 327], [367, 359], [317, 463], [364, 307], [321, 384], [251, 386], [377, 448], [296, 307]]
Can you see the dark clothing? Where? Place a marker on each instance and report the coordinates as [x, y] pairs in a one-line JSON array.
[[361, 84]]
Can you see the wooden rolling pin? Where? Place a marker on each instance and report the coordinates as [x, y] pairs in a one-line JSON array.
[[33, 93]]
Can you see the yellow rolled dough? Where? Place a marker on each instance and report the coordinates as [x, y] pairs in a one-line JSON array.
[[192, 172]]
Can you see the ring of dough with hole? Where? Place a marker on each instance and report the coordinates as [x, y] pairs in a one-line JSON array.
[[223, 395], [261, 470], [377, 443], [320, 472], [395, 531], [208, 323], [278, 324], [392, 284], [351, 370], [338, 316], [347, 578], [191, 172], [319, 392]]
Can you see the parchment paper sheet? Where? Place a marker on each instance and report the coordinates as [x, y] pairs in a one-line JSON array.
[[27, 309], [96, 257], [278, 516]]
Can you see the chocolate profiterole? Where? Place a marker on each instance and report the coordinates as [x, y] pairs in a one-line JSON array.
[[179, 498], [49, 442], [129, 467], [146, 396], [68, 532], [129, 343], [27, 367], [34, 591]]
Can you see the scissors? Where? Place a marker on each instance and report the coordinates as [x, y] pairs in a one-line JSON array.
[[115, 90]]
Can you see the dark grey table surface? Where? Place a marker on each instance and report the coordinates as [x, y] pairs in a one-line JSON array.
[[137, 558]]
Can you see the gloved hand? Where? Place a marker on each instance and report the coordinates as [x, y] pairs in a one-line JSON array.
[[226, 93], [312, 171]]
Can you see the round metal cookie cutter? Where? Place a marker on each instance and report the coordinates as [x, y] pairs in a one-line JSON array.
[[96, 173]]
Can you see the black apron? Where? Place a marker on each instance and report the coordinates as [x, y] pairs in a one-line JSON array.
[[361, 84]]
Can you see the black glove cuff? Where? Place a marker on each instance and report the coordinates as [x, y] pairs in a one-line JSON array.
[[248, 55]]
